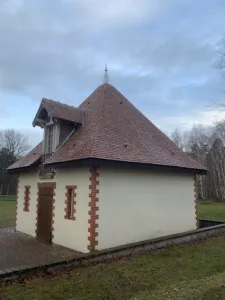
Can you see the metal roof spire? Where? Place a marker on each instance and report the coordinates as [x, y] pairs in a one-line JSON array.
[[106, 77]]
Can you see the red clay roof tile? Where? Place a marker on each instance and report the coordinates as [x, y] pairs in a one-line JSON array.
[[29, 159], [113, 129], [63, 111]]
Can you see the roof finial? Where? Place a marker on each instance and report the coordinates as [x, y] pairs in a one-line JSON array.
[[106, 77]]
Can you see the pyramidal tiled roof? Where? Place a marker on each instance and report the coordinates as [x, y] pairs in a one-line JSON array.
[[113, 129]]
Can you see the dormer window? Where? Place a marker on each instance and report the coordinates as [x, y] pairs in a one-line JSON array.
[[58, 121]]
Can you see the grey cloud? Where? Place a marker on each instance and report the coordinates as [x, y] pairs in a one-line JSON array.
[[3, 110], [160, 53], [34, 135]]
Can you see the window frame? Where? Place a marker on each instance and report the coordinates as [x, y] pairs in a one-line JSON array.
[[26, 203], [70, 202], [50, 138]]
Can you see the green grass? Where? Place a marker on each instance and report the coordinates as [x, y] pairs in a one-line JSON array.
[[212, 211], [7, 213], [7, 198], [194, 272]]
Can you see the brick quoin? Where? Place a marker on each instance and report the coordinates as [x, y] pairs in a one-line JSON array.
[[17, 198], [26, 203], [46, 184], [93, 209], [196, 200]]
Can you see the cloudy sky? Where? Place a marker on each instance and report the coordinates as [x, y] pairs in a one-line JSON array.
[[160, 55]]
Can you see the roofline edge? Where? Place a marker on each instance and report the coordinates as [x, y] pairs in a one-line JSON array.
[[202, 171]]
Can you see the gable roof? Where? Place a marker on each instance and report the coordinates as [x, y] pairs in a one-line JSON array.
[[60, 111], [113, 129]]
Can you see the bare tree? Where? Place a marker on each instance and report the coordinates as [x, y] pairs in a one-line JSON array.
[[218, 132], [207, 146], [13, 145], [198, 135], [15, 142], [177, 138], [196, 142], [221, 61], [216, 174]]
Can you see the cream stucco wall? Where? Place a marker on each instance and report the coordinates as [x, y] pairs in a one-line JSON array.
[[136, 205], [26, 221], [69, 233]]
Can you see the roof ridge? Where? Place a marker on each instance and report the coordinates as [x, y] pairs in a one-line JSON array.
[[99, 113], [91, 95], [54, 101]]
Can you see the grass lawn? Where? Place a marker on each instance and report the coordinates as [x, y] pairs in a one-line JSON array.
[[195, 272], [7, 212], [212, 211]]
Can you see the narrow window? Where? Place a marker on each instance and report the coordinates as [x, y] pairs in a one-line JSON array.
[[26, 203], [70, 202], [50, 139]]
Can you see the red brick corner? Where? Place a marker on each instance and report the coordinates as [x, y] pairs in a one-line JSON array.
[[196, 200], [17, 198], [93, 209]]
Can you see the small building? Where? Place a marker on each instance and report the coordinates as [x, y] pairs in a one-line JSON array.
[[103, 176]]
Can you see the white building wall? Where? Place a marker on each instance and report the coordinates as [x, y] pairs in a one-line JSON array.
[[136, 205], [26, 221], [69, 233]]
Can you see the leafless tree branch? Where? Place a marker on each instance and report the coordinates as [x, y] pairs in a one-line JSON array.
[[15, 142]]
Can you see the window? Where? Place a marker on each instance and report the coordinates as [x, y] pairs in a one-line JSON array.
[[26, 203], [70, 202], [50, 139], [70, 206]]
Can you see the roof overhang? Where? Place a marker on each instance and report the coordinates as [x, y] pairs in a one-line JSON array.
[[23, 169], [38, 121], [50, 115], [112, 163]]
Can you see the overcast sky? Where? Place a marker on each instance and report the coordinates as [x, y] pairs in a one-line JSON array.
[[160, 55]]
